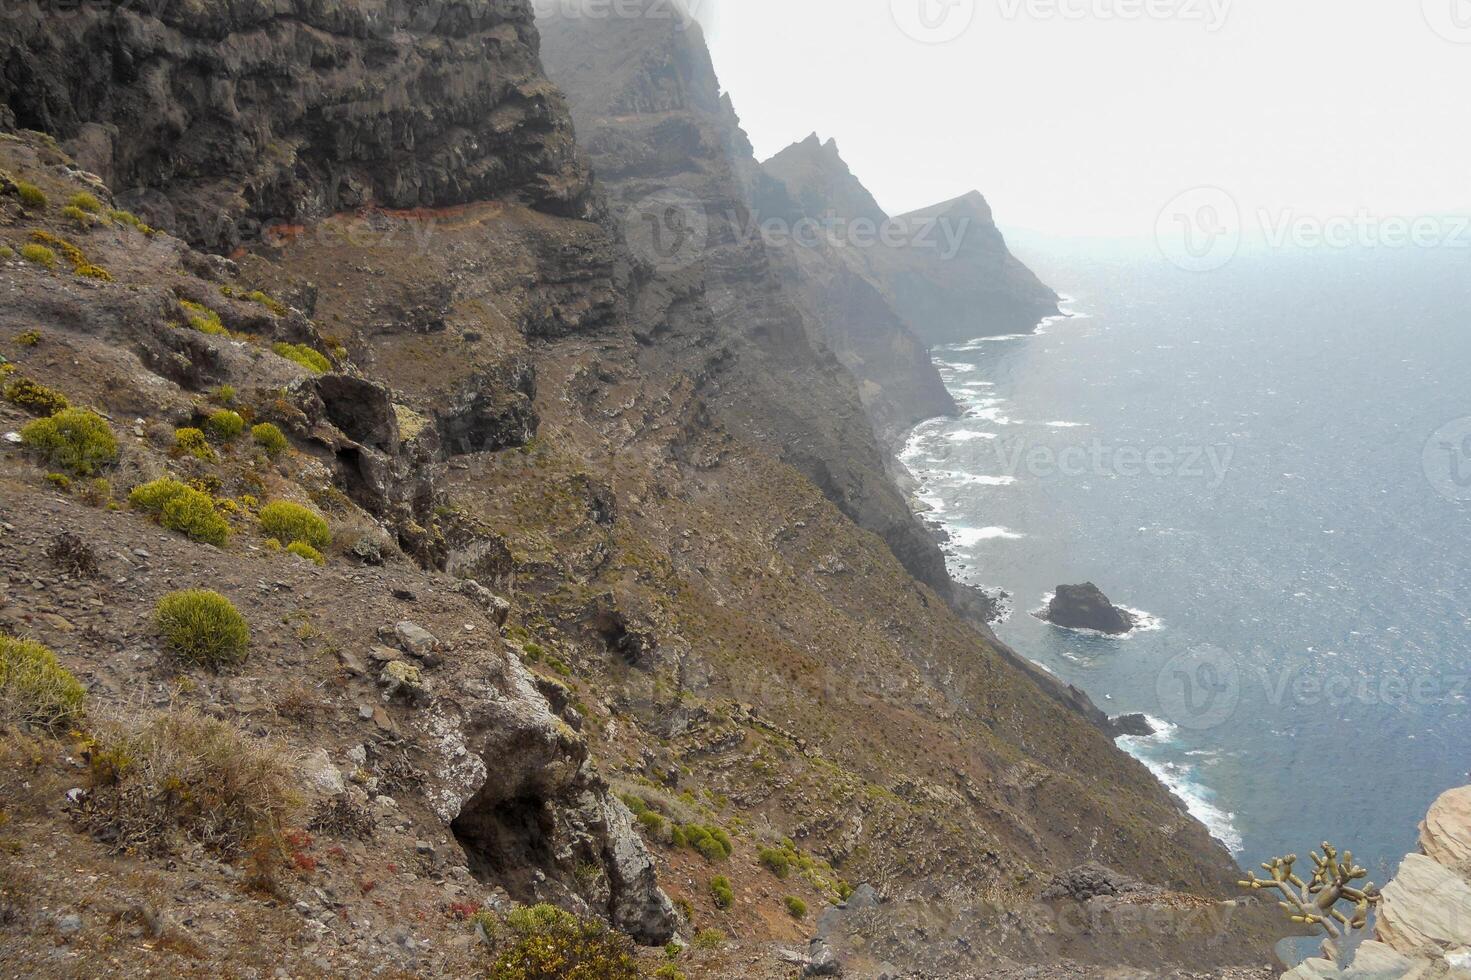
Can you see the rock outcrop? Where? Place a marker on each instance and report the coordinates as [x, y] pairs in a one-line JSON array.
[[1085, 607], [221, 121]]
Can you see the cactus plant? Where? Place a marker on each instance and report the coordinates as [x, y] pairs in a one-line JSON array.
[[1315, 903]]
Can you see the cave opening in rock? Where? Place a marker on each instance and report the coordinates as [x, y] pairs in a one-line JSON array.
[[505, 843]]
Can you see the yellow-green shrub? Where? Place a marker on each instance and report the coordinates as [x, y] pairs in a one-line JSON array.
[[270, 438], [192, 442], [131, 220], [30, 195], [74, 440], [225, 425], [203, 319], [721, 891], [81, 218], [303, 550], [83, 201], [289, 522], [796, 908], [183, 509], [203, 628], [38, 254], [301, 354], [35, 398], [35, 689], [550, 944]]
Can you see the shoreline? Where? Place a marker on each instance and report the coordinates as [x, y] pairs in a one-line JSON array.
[[1181, 781]]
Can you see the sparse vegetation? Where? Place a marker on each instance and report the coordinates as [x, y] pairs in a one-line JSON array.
[[301, 354], [303, 550], [192, 442], [30, 195], [203, 319], [776, 860], [224, 425], [721, 892], [74, 255], [131, 220], [179, 775], [35, 398], [182, 508], [549, 944], [35, 690], [223, 395], [256, 296], [28, 338], [203, 628], [38, 255], [85, 202], [796, 908], [289, 522], [708, 939], [270, 438], [74, 440], [78, 217], [712, 842]]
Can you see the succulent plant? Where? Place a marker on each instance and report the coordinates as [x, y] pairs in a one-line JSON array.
[[1316, 902]]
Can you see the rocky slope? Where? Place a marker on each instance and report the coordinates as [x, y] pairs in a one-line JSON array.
[[606, 535]]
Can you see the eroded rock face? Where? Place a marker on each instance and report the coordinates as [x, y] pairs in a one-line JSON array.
[[1085, 607], [215, 118], [542, 818]]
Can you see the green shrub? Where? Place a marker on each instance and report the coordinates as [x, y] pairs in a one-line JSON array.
[[270, 438], [669, 971], [286, 521], [653, 822], [301, 354], [223, 395], [183, 509], [225, 425], [131, 220], [708, 939], [721, 891], [777, 861], [636, 804], [74, 440], [203, 628], [192, 442], [6, 253], [203, 319], [28, 338], [256, 296], [90, 271], [303, 550], [178, 774], [60, 481], [712, 842], [81, 218], [35, 689], [550, 944], [38, 254], [30, 195], [83, 201], [97, 493], [796, 908], [35, 398]]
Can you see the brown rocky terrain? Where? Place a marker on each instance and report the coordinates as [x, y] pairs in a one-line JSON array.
[[609, 537]]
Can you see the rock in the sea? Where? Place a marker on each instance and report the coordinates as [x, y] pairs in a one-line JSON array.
[[1136, 725], [1085, 607]]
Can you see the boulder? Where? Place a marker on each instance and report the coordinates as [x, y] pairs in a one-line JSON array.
[[1426, 904], [1090, 881], [1445, 835], [1085, 607], [415, 640], [1135, 725]]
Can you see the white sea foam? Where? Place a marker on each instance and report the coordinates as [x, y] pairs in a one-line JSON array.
[[968, 435], [1181, 780], [1143, 622], [967, 537], [1066, 425]]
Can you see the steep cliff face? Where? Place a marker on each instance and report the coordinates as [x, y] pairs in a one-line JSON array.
[[966, 283], [215, 119], [669, 151], [834, 222]]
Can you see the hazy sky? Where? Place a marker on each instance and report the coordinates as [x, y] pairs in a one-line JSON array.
[[1087, 117]]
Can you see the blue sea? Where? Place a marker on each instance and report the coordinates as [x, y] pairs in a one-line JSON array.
[[1271, 465]]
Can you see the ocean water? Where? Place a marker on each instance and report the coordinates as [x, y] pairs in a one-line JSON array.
[[1266, 464]]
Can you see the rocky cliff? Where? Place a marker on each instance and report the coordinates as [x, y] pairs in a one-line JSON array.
[[604, 536]]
